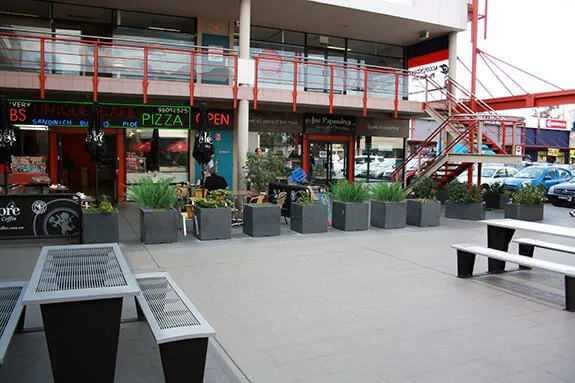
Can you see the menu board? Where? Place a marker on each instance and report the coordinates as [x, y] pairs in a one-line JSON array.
[[70, 114]]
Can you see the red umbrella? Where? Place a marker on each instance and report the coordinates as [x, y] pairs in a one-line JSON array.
[[179, 146], [143, 147]]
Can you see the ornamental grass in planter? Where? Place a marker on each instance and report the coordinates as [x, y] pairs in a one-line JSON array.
[[527, 204], [158, 218], [350, 206], [214, 216], [388, 206], [495, 197], [464, 203], [424, 210], [308, 216], [100, 223]]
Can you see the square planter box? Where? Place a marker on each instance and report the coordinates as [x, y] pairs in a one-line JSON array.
[[214, 224], [470, 211], [158, 226], [524, 212], [350, 216], [423, 213], [262, 220], [307, 219], [496, 201], [388, 215], [100, 227]]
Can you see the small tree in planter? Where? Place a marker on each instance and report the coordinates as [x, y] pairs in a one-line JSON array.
[[495, 197], [100, 223], [158, 218], [388, 206], [350, 206], [424, 210], [262, 169], [463, 203], [526, 204], [308, 216], [214, 216]]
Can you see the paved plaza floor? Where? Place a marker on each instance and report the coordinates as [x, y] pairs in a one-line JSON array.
[[374, 306]]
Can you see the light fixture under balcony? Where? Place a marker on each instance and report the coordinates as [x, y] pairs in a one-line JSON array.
[[165, 29], [33, 127]]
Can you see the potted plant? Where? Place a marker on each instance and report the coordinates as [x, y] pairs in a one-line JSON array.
[[262, 219], [464, 203], [260, 170], [526, 203], [350, 206], [424, 210], [308, 216], [158, 218], [100, 223], [388, 206], [495, 197], [214, 216]]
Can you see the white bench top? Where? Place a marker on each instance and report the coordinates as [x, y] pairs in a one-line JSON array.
[[11, 294], [515, 258], [80, 273], [546, 245], [543, 228], [170, 314]]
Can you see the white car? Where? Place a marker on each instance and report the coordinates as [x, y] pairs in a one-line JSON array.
[[490, 175], [378, 169]]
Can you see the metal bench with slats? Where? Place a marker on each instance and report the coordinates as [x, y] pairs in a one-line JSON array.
[[528, 245], [11, 312], [180, 330]]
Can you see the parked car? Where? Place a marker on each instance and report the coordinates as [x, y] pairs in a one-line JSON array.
[[562, 194], [377, 169], [490, 175], [536, 175]]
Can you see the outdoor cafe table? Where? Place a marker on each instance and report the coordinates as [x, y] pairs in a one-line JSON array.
[[80, 290]]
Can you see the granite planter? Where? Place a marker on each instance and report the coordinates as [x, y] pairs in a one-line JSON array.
[[213, 223], [388, 215], [262, 220], [469, 211], [100, 227], [308, 219], [423, 213], [158, 226], [350, 216], [496, 201], [524, 212]]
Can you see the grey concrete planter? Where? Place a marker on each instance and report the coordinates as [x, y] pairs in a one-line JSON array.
[[388, 215], [213, 223], [308, 219], [158, 226], [469, 211], [496, 201], [100, 227], [524, 212], [350, 216], [262, 220], [423, 213]]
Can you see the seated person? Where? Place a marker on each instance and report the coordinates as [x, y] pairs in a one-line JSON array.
[[202, 180], [215, 182]]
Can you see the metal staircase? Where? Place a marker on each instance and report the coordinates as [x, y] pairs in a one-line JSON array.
[[462, 137]]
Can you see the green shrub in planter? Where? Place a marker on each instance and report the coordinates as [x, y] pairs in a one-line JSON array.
[[100, 223], [388, 206], [424, 210], [495, 197], [350, 207], [158, 218], [527, 204], [214, 216], [464, 203]]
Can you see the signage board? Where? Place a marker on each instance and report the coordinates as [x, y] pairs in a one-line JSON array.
[[279, 122], [40, 216], [74, 114], [219, 119], [383, 127], [553, 152], [518, 150], [329, 124]]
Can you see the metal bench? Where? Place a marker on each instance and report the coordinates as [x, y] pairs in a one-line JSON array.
[[528, 245], [12, 313], [466, 260], [179, 329]]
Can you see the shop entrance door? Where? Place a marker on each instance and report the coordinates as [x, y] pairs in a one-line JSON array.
[[328, 162]]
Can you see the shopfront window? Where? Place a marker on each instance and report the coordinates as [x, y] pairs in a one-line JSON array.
[[377, 158], [30, 162], [160, 152]]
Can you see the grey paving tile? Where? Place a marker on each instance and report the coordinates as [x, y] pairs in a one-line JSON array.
[[531, 376], [563, 368]]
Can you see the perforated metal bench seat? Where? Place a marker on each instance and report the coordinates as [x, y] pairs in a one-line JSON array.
[[466, 260], [11, 312], [179, 329]]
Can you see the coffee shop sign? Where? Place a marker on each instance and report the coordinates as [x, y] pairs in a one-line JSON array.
[[330, 121], [9, 213]]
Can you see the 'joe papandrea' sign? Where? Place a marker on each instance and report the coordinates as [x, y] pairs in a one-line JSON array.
[[328, 124]]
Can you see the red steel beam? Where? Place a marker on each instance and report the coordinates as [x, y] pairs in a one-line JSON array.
[[536, 100]]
